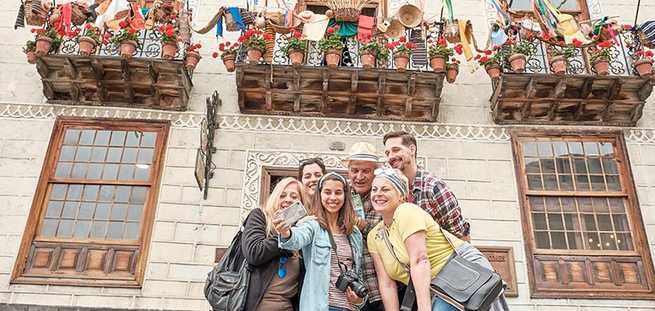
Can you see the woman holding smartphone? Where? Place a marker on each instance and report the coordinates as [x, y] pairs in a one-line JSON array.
[[276, 273], [332, 248]]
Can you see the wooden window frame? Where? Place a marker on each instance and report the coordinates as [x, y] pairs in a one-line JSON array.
[[115, 250], [564, 257], [583, 14]]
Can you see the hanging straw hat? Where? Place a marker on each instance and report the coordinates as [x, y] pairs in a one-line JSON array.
[[362, 152], [395, 29], [410, 15]]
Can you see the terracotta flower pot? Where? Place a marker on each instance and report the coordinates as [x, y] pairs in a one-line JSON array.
[[517, 62], [228, 61], [43, 45], [493, 70], [192, 59], [644, 67], [254, 55], [438, 63], [297, 57], [168, 50], [31, 57], [332, 58], [451, 72], [558, 65], [401, 61], [87, 46], [368, 59], [128, 47], [602, 67]]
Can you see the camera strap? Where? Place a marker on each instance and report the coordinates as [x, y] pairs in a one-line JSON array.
[[336, 253]]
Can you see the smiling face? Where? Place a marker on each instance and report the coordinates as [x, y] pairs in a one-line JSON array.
[[384, 197], [361, 175], [332, 196], [399, 156], [289, 195], [310, 175]]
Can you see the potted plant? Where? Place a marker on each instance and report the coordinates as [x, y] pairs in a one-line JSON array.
[[254, 40], [439, 53], [368, 52], [192, 56], [490, 60], [296, 47], [89, 39], [599, 56], [127, 38], [331, 47], [383, 55], [168, 40], [401, 50], [452, 69], [560, 56], [228, 52], [643, 65], [46, 40], [30, 51], [519, 53]]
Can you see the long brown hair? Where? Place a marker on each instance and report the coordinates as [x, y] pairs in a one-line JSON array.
[[346, 218]]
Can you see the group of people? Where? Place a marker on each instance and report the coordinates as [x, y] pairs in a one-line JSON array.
[[366, 238]]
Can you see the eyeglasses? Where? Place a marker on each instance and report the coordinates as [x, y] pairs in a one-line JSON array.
[[282, 270]]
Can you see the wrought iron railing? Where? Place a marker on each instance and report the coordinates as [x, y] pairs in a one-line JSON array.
[[350, 54], [150, 46], [621, 61]]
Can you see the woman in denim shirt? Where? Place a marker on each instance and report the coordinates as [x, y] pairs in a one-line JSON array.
[[333, 215]]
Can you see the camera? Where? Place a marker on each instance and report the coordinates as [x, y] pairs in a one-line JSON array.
[[350, 279]]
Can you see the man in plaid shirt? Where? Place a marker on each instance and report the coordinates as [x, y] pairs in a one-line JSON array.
[[427, 191], [361, 164]]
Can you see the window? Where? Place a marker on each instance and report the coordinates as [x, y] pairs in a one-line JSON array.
[[574, 7], [92, 213], [582, 223]]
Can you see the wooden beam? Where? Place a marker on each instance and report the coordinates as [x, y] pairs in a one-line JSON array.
[[74, 90], [637, 113], [354, 85], [125, 73], [579, 110], [531, 88], [645, 90], [605, 114], [411, 89], [80, 265], [560, 89], [614, 89], [296, 89], [325, 75], [587, 87], [55, 258], [48, 91], [267, 87], [382, 84], [108, 263], [553, 109], [99, 72], [153, 73], [42, 67]]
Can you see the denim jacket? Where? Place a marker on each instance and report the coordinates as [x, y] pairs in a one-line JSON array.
[[314, 242]]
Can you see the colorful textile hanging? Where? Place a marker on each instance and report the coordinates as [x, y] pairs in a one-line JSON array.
[[346, 29], [314, 29], [20, 17], [647, 33], [547, 15], [365, 26], [449, 6], [502, 17], [66, 17], [137, 21]]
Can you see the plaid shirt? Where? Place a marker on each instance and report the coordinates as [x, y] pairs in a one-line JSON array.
[[433, 196], [373, 218]]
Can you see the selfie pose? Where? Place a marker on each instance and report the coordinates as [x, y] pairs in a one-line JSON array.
[[276, 274], [332, 249], [408, 245]]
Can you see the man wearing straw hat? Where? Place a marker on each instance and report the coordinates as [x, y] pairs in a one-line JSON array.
[[427, 191], [361, 163]]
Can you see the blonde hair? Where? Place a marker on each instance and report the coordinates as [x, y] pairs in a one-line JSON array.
[[272, 204]]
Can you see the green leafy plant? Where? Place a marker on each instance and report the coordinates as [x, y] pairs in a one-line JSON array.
[[441, 48], [490, 57], [49, 32], [566, 50], [295, 42], [93, 32], [600, 52], [331, 41], [522, 47], [401, 46], [227, 49], [126, 32], [255, 39], [30, 46]]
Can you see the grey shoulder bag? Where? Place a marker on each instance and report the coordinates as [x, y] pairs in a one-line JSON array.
[[465, 285]]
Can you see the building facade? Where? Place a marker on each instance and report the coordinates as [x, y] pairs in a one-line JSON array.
[[568, 209]]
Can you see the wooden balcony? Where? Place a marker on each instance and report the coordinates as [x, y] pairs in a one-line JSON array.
[[106, 79], [348, 91], [580, 97]]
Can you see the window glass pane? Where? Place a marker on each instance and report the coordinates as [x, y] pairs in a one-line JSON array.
[[608, 241], [49, 227], [580, 166], [99, 229], [609, 165], [63, 169], [132, 139], [539, 221], [129, 155], [604, 222], [98, 154], [148, 139], [550, 181], [558, 240], [542, 239], [575, 240], [131, 231], [106, 194], [70, 210], [102, 138], [94, 171], [118, 212], [86, 137], [138, 194], [589, 222], [591, 148], [555, 222], [90, 193], [86, 211], [142, 172], [117, 138], [560, 149], [594, 165], [537, 204], [582, 182], [534, 182], [597, 182], [82, 229], [79, 170], [566, 182], [114, 155], [71, 136], [545, 149], [74, 192], [115, 231], [571, 222], [67, 153], [624, 241], [563, 165], [65, 229], [54, 209], [102, 211], [145, 155], [607, 149], [575, 148], [134, 212], [592, 240], [620, 222], [110, 172], [122, 194], [547, 166], [126, 172], [613, 183]]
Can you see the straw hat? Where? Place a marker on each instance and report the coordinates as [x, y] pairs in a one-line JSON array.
[[362, 152], [410, 15], [395, 29]]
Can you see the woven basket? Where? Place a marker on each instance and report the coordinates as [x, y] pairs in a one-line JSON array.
[[346, 15], [35, 14], [270, 44]]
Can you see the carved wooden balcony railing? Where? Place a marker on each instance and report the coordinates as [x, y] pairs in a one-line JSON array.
[[539, 96], [106, 79], [348, 91]]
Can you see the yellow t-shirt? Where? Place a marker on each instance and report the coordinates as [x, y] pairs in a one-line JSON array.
[[407, 220]]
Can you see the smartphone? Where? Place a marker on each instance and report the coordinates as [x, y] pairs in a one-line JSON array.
[[292, 214]]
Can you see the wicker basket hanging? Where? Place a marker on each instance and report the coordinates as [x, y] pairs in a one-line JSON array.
[[270, 44], [35, 14]]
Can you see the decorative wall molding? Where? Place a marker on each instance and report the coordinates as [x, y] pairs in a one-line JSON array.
[[298, 125], [257, 159]]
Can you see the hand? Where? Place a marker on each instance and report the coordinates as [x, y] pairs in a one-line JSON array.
[[361, 223], [281, 228], [352, 297]]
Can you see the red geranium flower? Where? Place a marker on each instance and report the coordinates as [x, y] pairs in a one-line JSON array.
[[488, 52], [87, 26], [331, 30], [458, 48], [577, 43], [215, 54], [402, 39], [606, 44], [627, 27], [547, 36], [124, 23], [649, 53], [477, 57]]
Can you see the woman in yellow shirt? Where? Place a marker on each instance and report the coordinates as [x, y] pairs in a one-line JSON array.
[[416, 241]]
